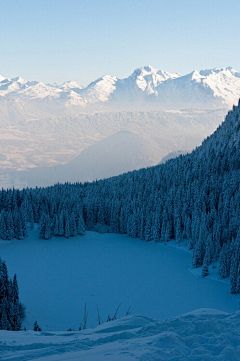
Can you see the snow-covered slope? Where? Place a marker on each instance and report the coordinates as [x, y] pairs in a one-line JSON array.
[[100, 90], [69, 85], [145, 88], [204, 334], [212, 88]]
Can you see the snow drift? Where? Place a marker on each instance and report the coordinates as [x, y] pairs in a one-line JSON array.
[[201, 335]]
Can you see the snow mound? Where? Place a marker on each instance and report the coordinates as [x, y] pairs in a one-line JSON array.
[[200, 335]]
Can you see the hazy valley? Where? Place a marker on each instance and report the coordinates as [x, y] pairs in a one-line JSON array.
[[155, 112]]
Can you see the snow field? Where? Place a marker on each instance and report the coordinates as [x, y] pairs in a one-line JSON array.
[[56, 278]]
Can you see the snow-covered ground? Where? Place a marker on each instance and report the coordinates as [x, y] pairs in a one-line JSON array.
[[56, 278], [205, 334]]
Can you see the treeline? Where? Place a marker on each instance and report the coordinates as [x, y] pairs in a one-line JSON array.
[[194, 197], [11, 310], [58, 211]]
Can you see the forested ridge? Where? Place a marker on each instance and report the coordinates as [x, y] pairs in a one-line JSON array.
[[194, 197]]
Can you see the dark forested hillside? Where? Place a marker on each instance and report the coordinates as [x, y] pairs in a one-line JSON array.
[[194, 197]]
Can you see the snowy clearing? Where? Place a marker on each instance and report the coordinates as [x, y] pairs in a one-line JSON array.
[[56, 278]]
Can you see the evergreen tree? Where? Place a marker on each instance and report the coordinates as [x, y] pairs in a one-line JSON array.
[[36, 327], [205, 268], [10, 317], [224, 263], [234, 271], [67, 228]]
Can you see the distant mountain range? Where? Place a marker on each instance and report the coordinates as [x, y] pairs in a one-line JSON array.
[[76, 133], [145, 89]]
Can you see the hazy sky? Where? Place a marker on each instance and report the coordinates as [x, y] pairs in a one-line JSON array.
[[58, 40]]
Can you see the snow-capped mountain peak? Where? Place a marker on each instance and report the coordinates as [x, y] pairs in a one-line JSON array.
[[2, 78], [147, 79], [166, 75], [194, 76], [145, 70], [146, 87], [19, 80], [149, 70], [69, 85], [100, 89]]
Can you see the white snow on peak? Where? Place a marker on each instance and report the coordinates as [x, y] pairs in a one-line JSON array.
[[145, 70], [148, 79], [2, 78], [11, 85], [224, 82], [194, 76], [19, 80], [69, 85], [149, 70], [211, 88], [71, 97], [100, 89], [166, 75], [40, 91]]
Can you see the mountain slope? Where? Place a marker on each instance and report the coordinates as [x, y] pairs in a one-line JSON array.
[[116, 154]]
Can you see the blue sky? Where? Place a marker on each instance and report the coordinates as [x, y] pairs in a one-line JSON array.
[[58, 40]]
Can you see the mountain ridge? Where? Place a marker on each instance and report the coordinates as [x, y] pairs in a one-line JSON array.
[[146, 86]]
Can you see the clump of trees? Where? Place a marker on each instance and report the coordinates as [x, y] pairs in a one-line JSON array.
[[67, 224], [11, 310], [59, 212], [36, 327]]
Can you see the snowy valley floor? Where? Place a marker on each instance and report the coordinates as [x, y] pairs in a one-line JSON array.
[[58, 276]]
